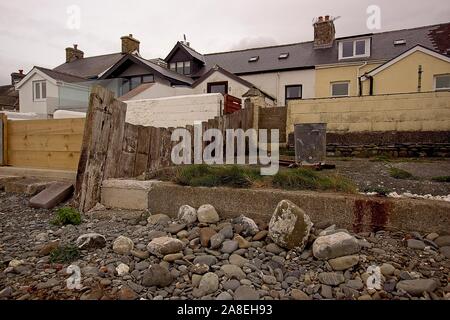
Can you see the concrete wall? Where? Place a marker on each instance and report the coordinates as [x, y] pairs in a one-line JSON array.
[[27, 104], [174, 111], [402, 77], [402, 112], [326, 75], [274, 83]]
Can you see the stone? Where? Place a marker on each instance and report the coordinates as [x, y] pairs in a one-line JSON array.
[[187, 214], [196, 279], [123, 245], [199, 268], [299, 295], [216, 240], [126, 293], [326, 291], [355, 284], [209, 283], [158, 219], [224, 296], [273, 248], [246, 293], [143, 265], [335, 245], [432, 236], [205, 236], [173, 256], [15, 263], [445, 251], [47, 248], [387, 269], [242, 243], [122, 269], [343, 263], [91, 241], [260, 235], [53, 195], [207, 214], [289, 226], [443, 241], [227, 231], [140, 254], [229, 246], [164, 245], [249, 227], [331, 278], [175, 227], [156, 234], [417, 287], [232, 284], [232, 271], [156, 276], [237, 260], [6, 292], [205, 259], [269, 279], [416, 244]]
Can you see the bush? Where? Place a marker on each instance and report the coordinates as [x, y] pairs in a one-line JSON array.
[[399, 173], [67, 215], [441, 179], [380, 190], [65, 254]]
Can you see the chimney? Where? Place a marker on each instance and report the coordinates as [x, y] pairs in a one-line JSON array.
[[17, 76], [129, 44], [324, 32], [74, 53]]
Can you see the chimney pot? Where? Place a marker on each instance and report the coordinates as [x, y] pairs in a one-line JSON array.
[[21, 71], [320, 19], [75, 46], [327, 18]]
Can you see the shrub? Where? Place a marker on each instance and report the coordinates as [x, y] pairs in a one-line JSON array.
[[380, 190], [399, 173], [67, 215], [65, 254]]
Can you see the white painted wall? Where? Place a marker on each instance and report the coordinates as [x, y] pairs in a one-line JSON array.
[[174, 111], [274, 83], [162, 90], [234, 88], [27, 104]]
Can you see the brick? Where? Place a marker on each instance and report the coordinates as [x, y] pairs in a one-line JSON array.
[[52, 195]]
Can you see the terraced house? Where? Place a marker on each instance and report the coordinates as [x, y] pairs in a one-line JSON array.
[[401, 61]]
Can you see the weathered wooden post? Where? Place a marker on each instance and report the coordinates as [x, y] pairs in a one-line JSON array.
[[101, 149], [3, 139]]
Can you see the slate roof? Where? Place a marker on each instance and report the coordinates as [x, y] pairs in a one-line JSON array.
[[61, 76]]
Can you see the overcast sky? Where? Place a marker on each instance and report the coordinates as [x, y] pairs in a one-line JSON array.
[[37, 32]]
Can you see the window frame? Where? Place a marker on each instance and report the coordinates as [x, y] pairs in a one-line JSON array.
[[219, 83], [126, 81], [286, 87], [367, 41], [435, 81], [340, 82], [41, 98]]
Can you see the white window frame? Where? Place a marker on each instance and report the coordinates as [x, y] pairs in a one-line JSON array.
[[365, 55], [340, 82], [435, 81], [40, 90]]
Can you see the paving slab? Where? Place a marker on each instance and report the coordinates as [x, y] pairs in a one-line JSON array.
[[52, 195]]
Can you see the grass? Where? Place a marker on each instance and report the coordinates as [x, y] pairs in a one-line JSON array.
[[381, 158], [246, 177], [67, 215], [397, 173], [441, 179], [380, 190], [65, 254]]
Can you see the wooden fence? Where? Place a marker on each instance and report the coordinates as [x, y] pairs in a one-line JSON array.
[[50, 144]]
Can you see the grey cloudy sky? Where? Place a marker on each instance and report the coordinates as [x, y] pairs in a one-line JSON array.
[[36, 32]]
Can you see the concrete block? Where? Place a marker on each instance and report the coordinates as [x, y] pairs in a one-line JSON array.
[[52, 195], [5, 179], [27, 186], [126, 194]]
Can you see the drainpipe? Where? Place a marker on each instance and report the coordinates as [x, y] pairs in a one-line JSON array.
[[278, 89], [419, 79], [358, 78]]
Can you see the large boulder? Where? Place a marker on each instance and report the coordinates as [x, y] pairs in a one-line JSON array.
[[207, 214], [123, 245], [164, 245], [289, 226], [335, 245], [187, 214]]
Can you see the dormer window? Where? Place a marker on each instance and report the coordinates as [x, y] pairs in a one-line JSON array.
[[253, 59], [283, 56], [349, 49], [181, 67]]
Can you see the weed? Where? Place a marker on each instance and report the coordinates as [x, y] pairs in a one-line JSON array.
[[65, 254], [399, 173], [67, 215]]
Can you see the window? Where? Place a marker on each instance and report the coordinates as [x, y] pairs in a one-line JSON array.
[[354, 49], [442, 82], [173, 66], [148, 78], [131, 83], [39, 90], [340, 89], [283, 55], [187, 67], [293, 92], [217, 87], [253, 59], [180, 67]]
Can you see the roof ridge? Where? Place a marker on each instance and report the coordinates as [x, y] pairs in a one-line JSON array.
[[63, 73]]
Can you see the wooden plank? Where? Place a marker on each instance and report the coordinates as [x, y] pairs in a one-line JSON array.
[[4, 140], [44, 159], [59, 142], [143, 147], [129, 148], [48, 126]]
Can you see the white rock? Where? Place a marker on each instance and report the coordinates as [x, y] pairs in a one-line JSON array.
[[15, 263], [207, 214], [187, 214], [122, 269], [91, 241], [123, 245], [164, 245], [335, 245]]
